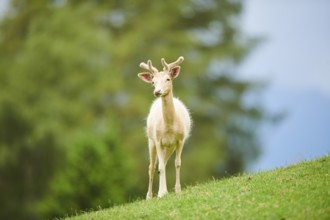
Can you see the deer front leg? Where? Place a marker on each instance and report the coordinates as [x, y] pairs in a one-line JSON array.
[[152, 167], [178, 166], [162, 171]]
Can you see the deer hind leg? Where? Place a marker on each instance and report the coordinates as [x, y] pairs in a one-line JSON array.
[[152, 167], [178, 166]]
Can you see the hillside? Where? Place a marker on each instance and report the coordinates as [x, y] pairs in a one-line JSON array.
[[301, 191]]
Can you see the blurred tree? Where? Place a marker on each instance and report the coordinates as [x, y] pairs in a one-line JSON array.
[[92, 176], [53, 88], [69, 68]]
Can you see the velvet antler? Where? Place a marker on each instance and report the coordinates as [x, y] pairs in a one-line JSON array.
[[171, 65], [149, 67]]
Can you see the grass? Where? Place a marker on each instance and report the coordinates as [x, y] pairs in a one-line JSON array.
[[301, 191]]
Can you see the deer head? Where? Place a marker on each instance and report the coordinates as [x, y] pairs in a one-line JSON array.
[[161, 80]]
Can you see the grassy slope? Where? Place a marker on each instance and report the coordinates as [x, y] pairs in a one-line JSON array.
[[301, 191]]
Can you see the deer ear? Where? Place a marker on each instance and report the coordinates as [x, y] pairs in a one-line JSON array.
[[175, 72], [147, 77]]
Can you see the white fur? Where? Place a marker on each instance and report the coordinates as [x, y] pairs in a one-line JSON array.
[[164, 140], [156, 112]]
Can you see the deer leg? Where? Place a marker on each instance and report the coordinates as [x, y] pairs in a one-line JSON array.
[[152, 166], [161, 153], [164, 155], [178, 166]]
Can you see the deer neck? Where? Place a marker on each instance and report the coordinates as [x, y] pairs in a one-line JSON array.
[[168, 109]]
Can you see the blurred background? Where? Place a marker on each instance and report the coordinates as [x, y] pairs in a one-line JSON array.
[[72, 110], [294, 58]]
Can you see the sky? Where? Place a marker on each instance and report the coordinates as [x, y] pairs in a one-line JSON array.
[[296, 50], [295, 59], [3, 6]]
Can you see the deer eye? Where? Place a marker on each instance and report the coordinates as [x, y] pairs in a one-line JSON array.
[[168, 79]]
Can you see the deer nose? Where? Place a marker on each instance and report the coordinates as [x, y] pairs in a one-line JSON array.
[[157, 93]]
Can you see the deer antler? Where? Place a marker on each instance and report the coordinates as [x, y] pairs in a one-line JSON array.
[[171, 65], [149, 67]]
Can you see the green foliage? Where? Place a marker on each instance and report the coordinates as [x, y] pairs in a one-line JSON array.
[[93, 176], [72, 108], [296, 192]]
